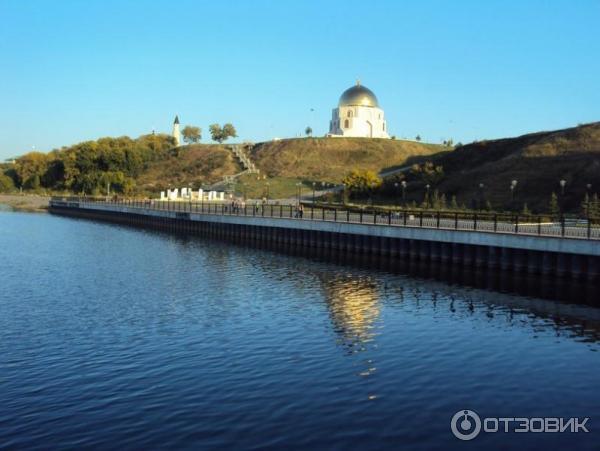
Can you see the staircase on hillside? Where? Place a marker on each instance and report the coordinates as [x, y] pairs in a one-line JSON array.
[[239, 151], [227, 184]]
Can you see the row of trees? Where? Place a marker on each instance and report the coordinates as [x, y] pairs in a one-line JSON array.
[[192, 134], [361, 184], [89, 166]]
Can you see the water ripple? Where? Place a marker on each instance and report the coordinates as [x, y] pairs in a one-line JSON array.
[[110, 335]]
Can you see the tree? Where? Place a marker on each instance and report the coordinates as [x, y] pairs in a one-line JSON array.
[[29, 166], [428, 172], [216, 132], [191, 134], [418, 138], [595, 207], [553, 206], [32, 182], [221, 134], [118, 182], [438, 201], [454, 203], [229, 131], [6, 183], [361, 181], [308, 131]]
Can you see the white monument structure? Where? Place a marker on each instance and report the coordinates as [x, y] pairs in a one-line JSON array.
[[175, 133], [358, 115], [187, 194]]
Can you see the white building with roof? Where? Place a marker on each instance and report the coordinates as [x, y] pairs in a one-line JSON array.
[[358, 115]]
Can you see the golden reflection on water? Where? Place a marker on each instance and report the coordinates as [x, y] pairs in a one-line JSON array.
[[354, 308]]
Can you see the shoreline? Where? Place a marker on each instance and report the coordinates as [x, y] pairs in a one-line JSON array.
[[26, 202]]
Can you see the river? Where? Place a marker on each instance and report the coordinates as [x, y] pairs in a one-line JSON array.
[[116, 337]]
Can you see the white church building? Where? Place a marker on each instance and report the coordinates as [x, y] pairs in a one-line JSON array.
[[358, 115]]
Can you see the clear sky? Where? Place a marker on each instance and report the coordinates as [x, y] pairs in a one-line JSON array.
[[73, 70]]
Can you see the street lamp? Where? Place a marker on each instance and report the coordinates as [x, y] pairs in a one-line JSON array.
[[298, 192], [588, 188], [481, 187], [403, 183], [513, 187], [395, 189], [427, 194], [563, 182], [267, 191], [313, 199]]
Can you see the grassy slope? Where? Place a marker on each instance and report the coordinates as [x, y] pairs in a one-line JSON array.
[[285, 163], [330, 159], [538, 161], [198, 164]]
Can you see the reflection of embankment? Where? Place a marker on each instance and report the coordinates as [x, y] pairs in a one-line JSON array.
[[579, 322], [354, 296], [353, 299], [540, 286]]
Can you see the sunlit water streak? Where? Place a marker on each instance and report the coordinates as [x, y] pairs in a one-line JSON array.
[[114, 337]]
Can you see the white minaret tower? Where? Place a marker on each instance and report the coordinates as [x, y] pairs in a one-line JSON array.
[[176, 131]]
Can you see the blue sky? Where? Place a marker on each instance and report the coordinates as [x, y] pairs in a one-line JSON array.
[[73, 70]]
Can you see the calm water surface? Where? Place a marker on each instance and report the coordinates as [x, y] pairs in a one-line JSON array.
[[114, 337]]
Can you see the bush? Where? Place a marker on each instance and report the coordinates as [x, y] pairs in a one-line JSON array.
[[6, 184]]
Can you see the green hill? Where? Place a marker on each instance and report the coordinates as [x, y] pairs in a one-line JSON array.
[[151, 163], [284, 163], [288, 162], [330, 159], [195, 165], [538, 161]]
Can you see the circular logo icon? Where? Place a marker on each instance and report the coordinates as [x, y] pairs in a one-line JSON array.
[[465, 425]]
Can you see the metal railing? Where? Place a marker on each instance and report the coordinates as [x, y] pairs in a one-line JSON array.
[[472, 221]]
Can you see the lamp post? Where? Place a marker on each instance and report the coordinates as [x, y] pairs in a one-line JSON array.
[[427, 194], [513, 187], [313, 197], [395, 189], [267, 191], [588, 189], [403, 183], [562, 183], [298, 193], [481, 199]]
